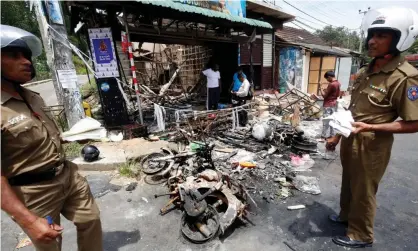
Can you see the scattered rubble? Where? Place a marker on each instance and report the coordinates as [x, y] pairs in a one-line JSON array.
[[131, 186], [296, 207], [219, 171], [307, 184], [24, 243], [212, 181]]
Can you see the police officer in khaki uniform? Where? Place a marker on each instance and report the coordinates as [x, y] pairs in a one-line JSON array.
[[385, 90], [36, 180]]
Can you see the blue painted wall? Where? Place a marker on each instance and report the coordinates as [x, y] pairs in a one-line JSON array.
[[291, 67]]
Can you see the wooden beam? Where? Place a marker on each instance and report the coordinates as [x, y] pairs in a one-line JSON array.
[[276, 23]]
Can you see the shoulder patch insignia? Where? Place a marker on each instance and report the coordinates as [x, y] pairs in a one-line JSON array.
[[412, 93], [17, 119]]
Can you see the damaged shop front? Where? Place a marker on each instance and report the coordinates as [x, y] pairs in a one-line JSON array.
[[149, 55], [304, 58], [220, 169]]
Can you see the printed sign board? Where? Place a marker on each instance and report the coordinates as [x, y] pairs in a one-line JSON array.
[[103, 54], [103, 51], [230, 7]]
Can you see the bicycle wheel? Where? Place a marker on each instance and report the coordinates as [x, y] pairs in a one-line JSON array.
[[150, 166]]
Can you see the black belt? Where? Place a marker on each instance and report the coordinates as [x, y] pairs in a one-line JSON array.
[[30, 178]]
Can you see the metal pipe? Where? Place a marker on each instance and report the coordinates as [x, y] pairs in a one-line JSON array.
[[273, 47], [134, 80]]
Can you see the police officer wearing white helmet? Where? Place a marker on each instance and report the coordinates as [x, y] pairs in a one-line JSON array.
[[37, 183], [384, 91]]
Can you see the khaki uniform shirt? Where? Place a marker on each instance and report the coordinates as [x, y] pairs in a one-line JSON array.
[[383, 96], [30, 141]]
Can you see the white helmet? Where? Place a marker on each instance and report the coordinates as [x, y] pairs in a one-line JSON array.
[[403, 21], [14, 37]]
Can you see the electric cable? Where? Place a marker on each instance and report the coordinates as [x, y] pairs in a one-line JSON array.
[[306, 13]]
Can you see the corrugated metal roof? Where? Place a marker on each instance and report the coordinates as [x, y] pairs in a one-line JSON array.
[[325, 49], [290, 34], [351, 52], [205, 12], [311, 41]]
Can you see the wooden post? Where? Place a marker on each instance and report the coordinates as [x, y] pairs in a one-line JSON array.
[[59, 59], [251, 64]]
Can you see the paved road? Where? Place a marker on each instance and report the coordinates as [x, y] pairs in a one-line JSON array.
[[136, 225], [47, 90]]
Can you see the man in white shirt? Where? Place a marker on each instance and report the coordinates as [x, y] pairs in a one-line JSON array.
[[213, 83], [240, 97]]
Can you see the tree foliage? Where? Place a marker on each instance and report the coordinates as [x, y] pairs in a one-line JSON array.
[[414, 48], [340, 36], [17, 13]]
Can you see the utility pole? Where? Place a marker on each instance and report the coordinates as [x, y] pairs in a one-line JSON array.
[[59, 57], [361, 30]]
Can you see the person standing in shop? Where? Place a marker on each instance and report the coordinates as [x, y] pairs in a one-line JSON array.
[[213, 77], [330, 95], [240, 97]]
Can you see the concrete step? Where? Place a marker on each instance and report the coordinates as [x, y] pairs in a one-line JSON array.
[[114, 154], [109, 159]]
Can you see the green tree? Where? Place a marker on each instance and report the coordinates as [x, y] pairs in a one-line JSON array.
[[340, 36], [414, 48], [18, 14]]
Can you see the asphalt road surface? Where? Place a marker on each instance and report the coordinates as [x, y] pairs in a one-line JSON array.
[[47, 91], [136, 225]]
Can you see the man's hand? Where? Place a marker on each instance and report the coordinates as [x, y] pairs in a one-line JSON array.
[[332, 142], [37, 228], [41, 231], [361, 127]]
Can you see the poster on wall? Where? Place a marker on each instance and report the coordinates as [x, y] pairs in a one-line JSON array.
[[290, 67], [103, 51], [230, 7]]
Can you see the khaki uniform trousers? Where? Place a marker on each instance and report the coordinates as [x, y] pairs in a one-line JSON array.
[[364, 158], [67, 194]]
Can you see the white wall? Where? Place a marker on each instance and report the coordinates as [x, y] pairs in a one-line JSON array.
[[337, 66], [267, 50], [343, 72], [305, 74]]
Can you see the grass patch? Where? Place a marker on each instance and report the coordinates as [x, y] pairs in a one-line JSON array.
[[72, 149], [79, 65], [89, 89], [129, 169], [62, 123]]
